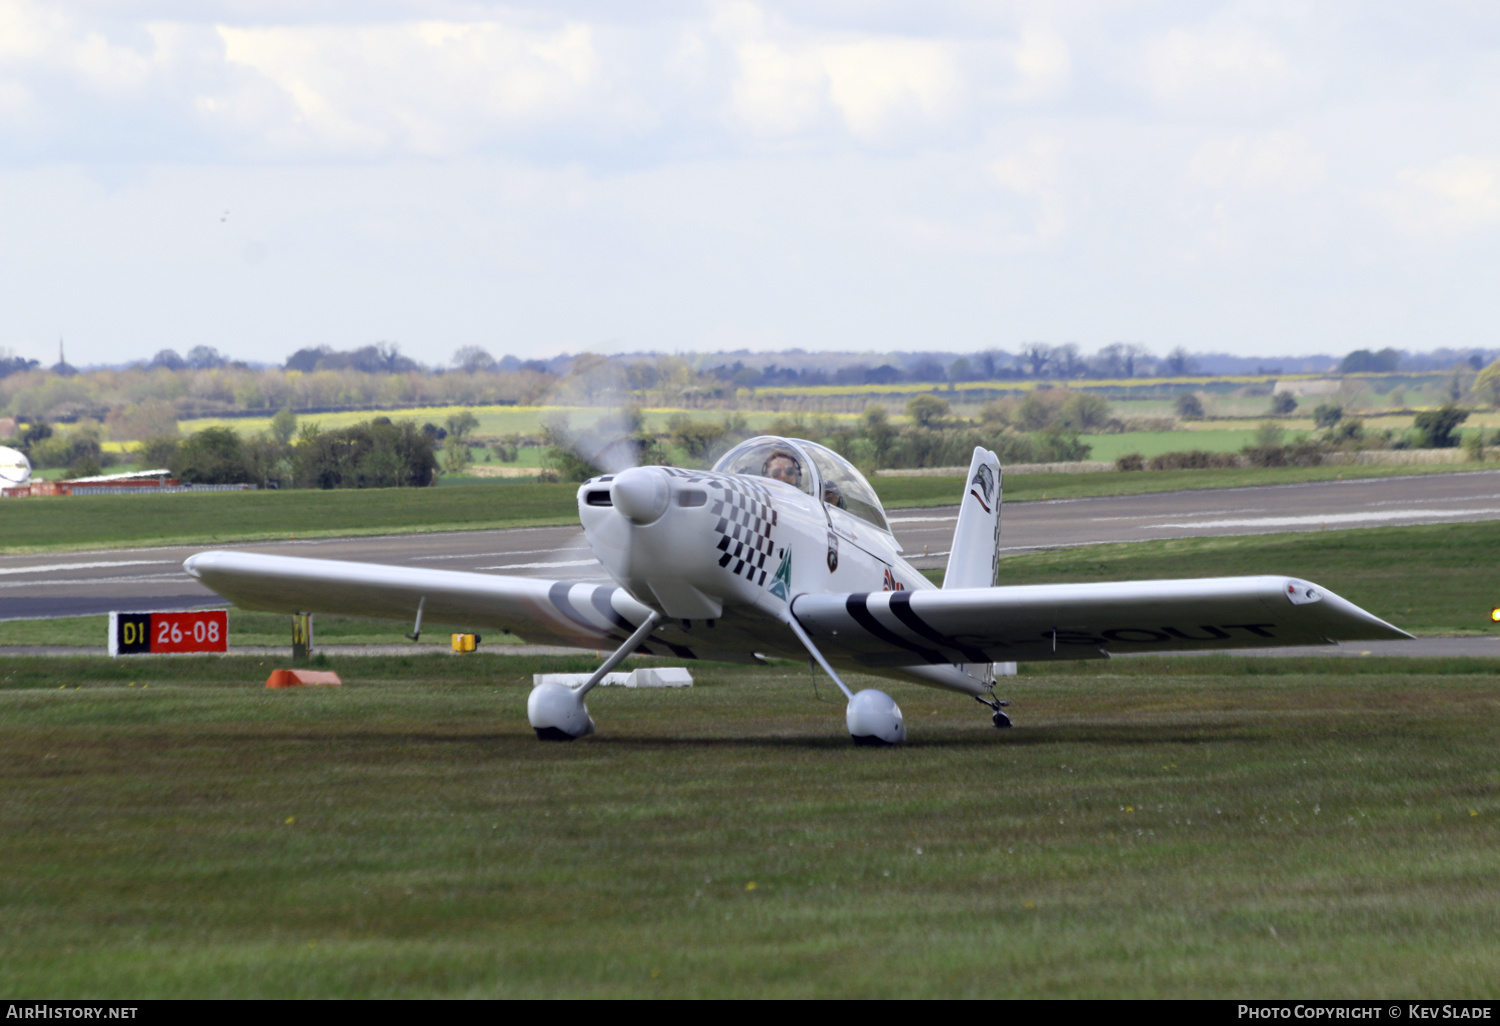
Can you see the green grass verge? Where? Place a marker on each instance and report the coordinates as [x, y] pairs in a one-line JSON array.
[[117, 520], [1154, 443], [1152, 828]]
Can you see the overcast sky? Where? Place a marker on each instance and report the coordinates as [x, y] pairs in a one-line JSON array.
[[1261, 178]]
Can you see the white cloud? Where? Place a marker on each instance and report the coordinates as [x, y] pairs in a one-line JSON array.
[[1043, 64], [431, 88], [37, 39], [29, 31], [1228, 69], [874, 88], [880, 85], [1252, 161], [1453, 196], [41, 44], [1035, 173], [881, 90], [780, 91]]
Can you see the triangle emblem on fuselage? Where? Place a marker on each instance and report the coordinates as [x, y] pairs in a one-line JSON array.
[[781, 586]]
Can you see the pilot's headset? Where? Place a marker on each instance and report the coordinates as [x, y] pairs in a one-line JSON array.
[[780, 454]]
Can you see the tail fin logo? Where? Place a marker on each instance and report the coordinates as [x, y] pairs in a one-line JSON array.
[[983, 486]]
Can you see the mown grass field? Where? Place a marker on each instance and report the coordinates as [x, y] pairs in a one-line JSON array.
[[114, 520], [1154, 443], [1207, 827]]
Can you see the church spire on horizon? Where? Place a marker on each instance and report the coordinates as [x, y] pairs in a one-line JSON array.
[[62, 366]]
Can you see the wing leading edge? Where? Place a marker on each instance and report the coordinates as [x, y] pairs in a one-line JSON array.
[[1082, 621], [542, 612]]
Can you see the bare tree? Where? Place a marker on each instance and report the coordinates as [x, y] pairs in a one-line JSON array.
[[1066, 361], [1179, 362], [1036, 356], [1109, 362], [471, 359], [390, 355], [205, 358]]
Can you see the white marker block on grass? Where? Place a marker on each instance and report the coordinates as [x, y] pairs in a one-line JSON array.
[[578, 680], [660, 677], [645, 677]]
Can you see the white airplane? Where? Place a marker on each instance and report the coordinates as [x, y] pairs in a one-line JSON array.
[[784, 550]]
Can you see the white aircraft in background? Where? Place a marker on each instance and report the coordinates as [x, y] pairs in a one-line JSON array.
[[783, 550]]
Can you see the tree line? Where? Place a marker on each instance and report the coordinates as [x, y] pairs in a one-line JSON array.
[[379, 453], [1044, 427], [206, 382]]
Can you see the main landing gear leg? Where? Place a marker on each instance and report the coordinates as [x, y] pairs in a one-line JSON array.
[[557, 712], [873, 717], [1000, 719]]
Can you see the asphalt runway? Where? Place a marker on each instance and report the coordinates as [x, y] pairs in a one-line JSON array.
[[80, 583]]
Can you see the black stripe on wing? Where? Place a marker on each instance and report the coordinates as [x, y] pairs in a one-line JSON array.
[[858, 608], [558, 595], [901, 606], [600, 597]]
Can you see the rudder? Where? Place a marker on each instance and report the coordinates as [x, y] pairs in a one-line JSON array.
[[973, 561]]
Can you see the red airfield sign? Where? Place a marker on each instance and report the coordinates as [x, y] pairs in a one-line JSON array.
[[170, 633]]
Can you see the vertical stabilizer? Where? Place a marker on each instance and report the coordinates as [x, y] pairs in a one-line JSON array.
[[973, 561]]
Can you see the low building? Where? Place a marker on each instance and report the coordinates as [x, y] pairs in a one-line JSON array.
[[157, 480]]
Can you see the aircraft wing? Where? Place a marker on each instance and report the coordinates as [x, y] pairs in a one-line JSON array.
[[1081, 621], [541, 612]]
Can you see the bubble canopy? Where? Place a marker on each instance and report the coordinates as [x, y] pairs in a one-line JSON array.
[[809, 467]]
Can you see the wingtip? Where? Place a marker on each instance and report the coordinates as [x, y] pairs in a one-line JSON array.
[[193, 565], [1389, 631]]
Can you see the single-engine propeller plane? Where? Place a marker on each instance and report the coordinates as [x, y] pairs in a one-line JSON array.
[[783, 549]]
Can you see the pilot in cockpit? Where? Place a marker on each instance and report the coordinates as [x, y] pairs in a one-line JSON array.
[[832, 495], [783, 466]]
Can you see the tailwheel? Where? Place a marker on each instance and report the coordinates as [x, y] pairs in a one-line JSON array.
[[997, 706]]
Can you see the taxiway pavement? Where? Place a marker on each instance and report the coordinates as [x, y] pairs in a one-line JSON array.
[[79, 583]]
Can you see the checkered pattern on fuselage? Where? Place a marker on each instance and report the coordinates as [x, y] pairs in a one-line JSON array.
[[745, 521]]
